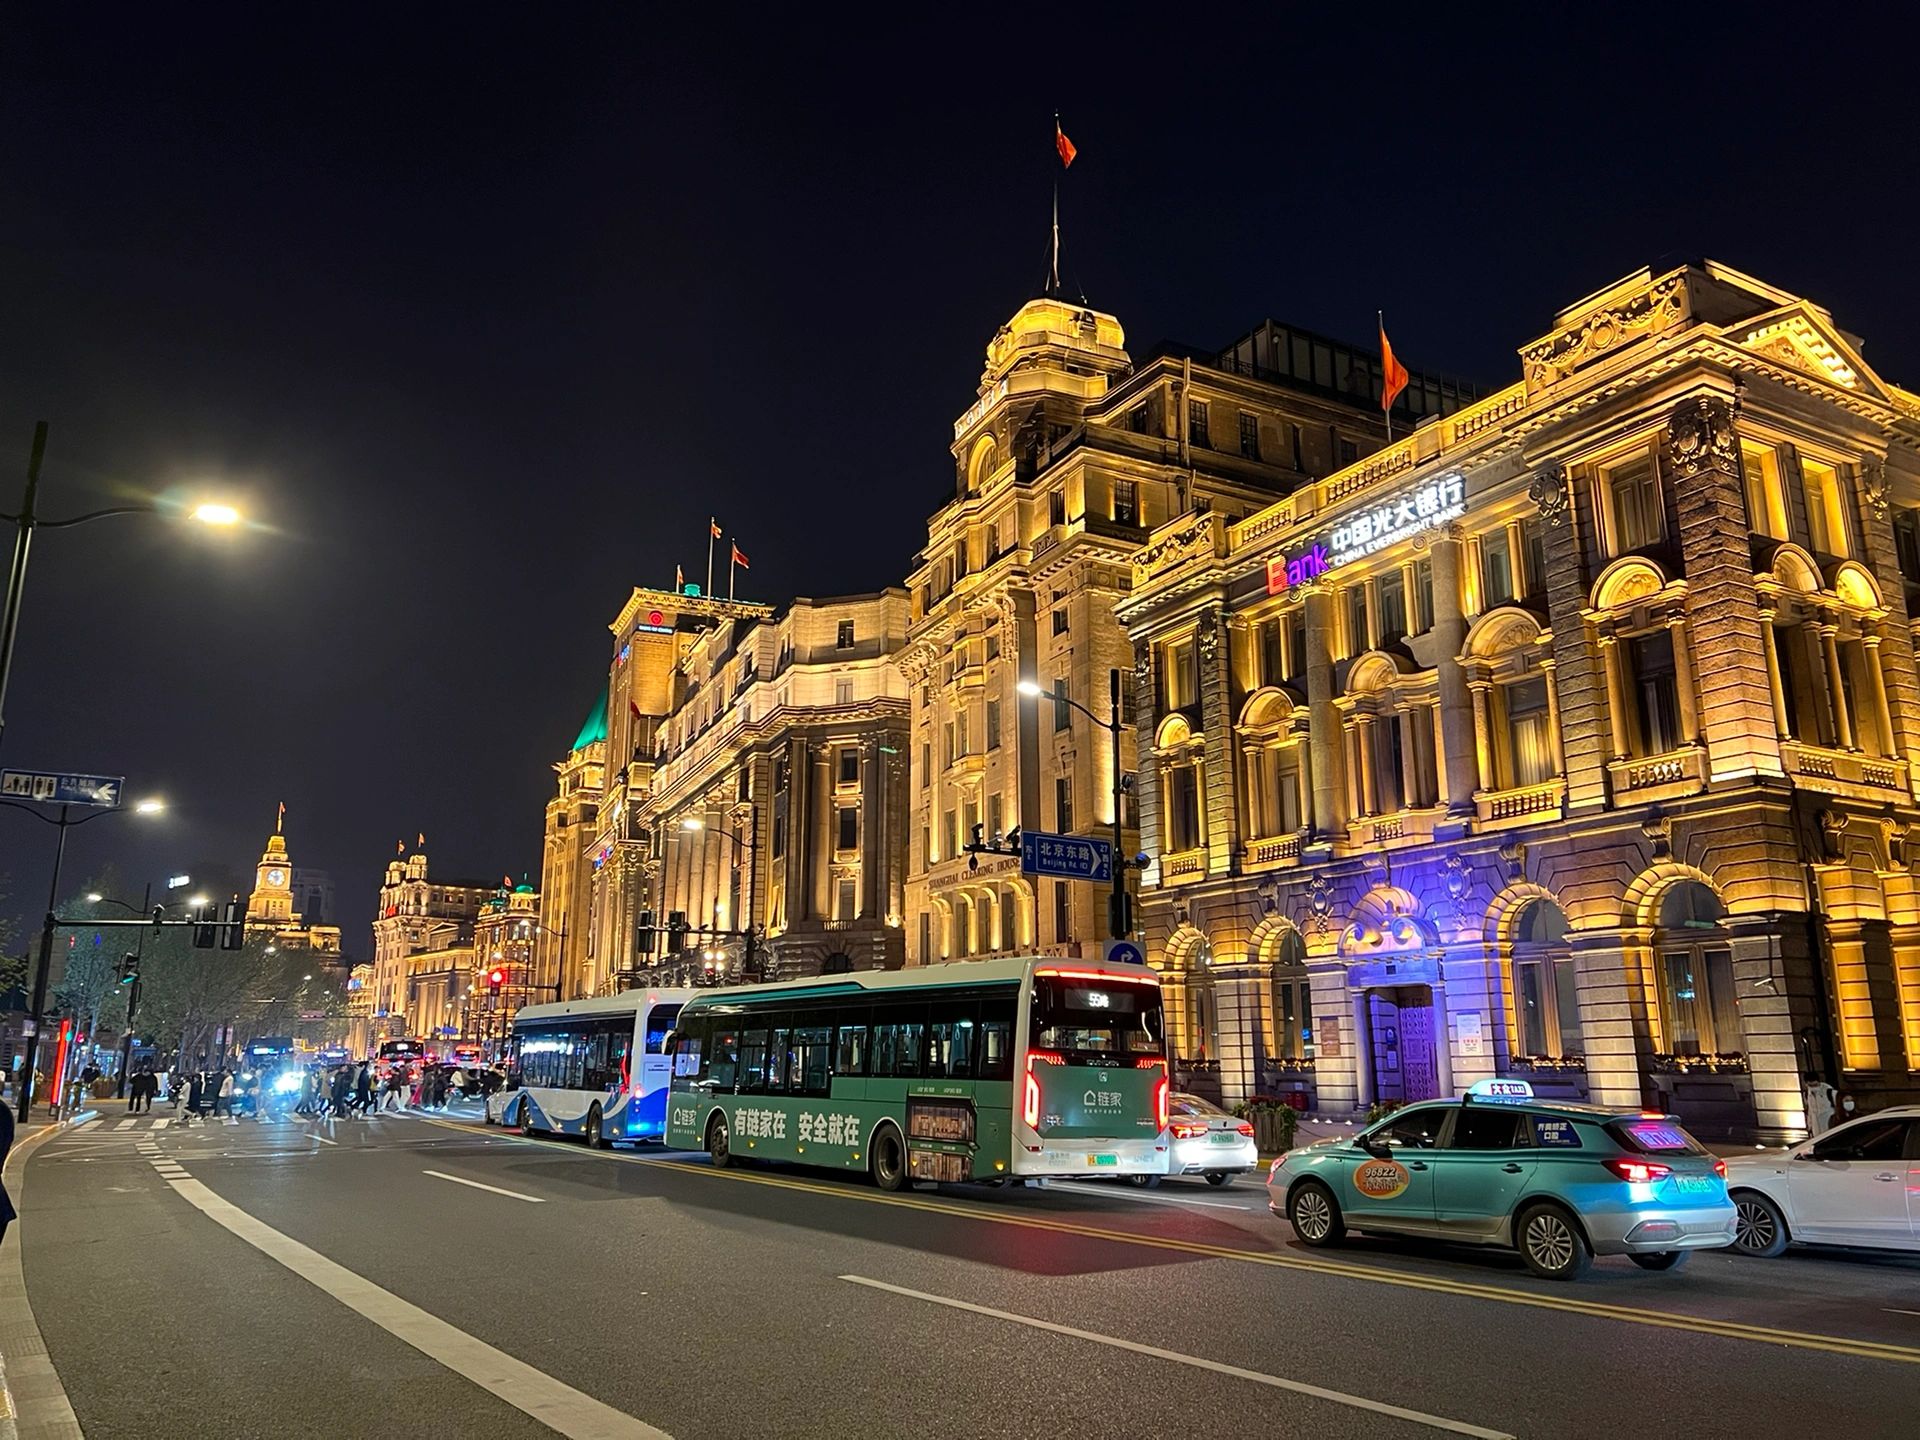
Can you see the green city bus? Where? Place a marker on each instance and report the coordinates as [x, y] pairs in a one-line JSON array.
[[988, 1070]]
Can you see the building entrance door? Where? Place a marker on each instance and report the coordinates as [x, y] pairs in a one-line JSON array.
[[1419, 1077], [1404, 1064]]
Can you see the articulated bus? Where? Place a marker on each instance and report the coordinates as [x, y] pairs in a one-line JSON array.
[[989, 1070], [596, 1068]]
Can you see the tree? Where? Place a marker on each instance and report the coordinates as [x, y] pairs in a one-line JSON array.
[[186, 992]]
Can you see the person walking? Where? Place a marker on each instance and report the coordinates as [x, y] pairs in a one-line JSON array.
[[196, 1096], [7, 1213], [363, 1089], [342, 1092], [223, 1095], [393, 1089]]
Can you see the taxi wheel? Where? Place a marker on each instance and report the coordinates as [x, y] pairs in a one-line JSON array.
[[1315, 1215], [1551, 1243], [1661, 1259], [1759, 1228], [1219, 1177]]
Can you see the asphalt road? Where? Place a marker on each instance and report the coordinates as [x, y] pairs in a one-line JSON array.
[[246, 1280]]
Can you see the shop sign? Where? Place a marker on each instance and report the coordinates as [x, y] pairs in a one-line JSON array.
[[1436, 503]]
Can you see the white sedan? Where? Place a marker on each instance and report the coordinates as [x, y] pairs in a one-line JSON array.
[[1858, 1184], [1207, 1141]]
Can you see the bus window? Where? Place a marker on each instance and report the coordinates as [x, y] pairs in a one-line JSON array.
[[897, 1048], [753, 1061], [1088, 1020], [996, 1049], [778, 1058], [686, 1062], [722, 1070], [812, 1048], [659, 1023], [951, 1041], [850, 1058]]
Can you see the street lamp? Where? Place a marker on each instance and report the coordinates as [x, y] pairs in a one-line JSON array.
[[743, 855], [1119, 921], [26, 521], [65, 822]]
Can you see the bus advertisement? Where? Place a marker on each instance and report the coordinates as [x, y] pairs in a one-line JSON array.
[[596, 1068], [987, 1070]]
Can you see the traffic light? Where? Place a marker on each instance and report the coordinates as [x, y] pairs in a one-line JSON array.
[[496, 977], [203, 926], [643, 934], [676, 931], [233, 927], [129, 969]]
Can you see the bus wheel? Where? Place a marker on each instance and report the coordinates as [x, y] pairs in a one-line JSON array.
[[596, 1139], [889, 1160], [526, 1115], [718, 1147]]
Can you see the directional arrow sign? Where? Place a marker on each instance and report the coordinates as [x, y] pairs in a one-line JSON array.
[[1068, 857], [52, 788]]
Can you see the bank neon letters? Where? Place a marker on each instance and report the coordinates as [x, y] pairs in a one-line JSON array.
[[1436, 503]]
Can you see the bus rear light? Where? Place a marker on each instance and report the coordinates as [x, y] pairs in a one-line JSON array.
[[1044, 1057], [1638, 1172], [1150, 1062], [1031, 1110], [1185, 1131], [1104, 976], [1161, 1091]]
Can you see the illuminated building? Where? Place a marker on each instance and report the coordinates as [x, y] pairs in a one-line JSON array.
[[1070, 457], [270, 912], [1570, 737], [438, 982], [567, 862], [360, 1009], [506, 939], [777, 797], [419, 916]]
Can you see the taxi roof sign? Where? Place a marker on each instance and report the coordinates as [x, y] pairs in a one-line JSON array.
[[1499, 1090]]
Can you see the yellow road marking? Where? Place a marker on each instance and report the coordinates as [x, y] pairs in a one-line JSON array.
[[1593, 1309]]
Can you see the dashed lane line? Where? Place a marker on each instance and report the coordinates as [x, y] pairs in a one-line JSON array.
[[1345, 1270], [511, 1194], [1218, 1367]]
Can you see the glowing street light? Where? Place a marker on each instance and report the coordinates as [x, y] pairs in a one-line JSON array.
[[94, 897], [215, 515], [149, 806], [693, 822]]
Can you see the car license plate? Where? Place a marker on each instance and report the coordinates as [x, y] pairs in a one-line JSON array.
[[1103, 1160], [1221, 1137], [1694, 1184]]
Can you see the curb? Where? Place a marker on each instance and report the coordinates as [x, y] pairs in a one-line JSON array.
[[46, 1413]]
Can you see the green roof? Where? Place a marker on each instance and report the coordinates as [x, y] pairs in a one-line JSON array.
[[596, 726]]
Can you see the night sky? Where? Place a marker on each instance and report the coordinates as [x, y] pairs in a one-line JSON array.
[[482, 316]]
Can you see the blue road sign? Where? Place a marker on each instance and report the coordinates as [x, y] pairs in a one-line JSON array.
[[1069, 857], [1123, 952], [52, 788]]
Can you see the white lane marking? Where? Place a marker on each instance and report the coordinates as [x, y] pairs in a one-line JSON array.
[[133, 1124], [514, 1194], [1891, 1311], [1298, 1387], [323, 1140], [1117, 1194], [558, 1406], [162, 1122]]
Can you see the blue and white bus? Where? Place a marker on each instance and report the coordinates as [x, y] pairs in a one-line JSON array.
[[596, 1068]]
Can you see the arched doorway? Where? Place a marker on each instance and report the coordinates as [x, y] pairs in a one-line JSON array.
[[1399, 1006], [1695, 971]]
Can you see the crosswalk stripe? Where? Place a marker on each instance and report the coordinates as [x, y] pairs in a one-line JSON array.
[[162, 1122]]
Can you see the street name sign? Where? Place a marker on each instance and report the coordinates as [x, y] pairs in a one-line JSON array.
[[52, 788], [1067, 857]]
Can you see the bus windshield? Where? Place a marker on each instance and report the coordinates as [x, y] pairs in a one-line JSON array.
[[1093, 1019]]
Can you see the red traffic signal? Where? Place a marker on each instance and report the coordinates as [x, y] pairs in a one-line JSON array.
[[496, 977]]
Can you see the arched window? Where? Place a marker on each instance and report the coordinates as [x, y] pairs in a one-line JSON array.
[[1181, 754], [1292, 1001], [1546, 1003], [1696, 973]]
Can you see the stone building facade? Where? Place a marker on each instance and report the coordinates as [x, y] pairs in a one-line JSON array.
[[1570, 737], [506, 939], [417, 915], [563, 933], [777, 794], [1069, 458]]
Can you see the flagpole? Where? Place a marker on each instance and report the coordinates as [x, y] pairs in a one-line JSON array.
[[1054, 288], [1386, 407], [712, 525], [730, 554]]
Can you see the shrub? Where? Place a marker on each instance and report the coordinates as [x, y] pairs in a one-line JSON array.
[[1380, 1109]]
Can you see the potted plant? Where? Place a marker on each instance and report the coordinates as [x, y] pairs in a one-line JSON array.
[[1274, 1121]]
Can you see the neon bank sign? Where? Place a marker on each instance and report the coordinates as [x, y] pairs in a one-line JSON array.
[[1436, 503]]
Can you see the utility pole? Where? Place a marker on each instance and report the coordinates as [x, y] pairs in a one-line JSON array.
[[1119, 918], [38, 1006], [17, 576]]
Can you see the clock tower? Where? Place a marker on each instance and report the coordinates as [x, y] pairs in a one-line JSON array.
[[270, 907]]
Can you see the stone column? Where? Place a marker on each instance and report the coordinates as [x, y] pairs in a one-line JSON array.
[[1450, 637], [1362, 1051], [1329, 815], [1764, 990], [1438, 738], [1482, 735], [1616, 695], [1877, 691], [1613, 1016], [1549, 669], [872, 892], [1905, 942], [1409, 759], [1442, 1036], [793, 884], [1836, 687], [820, 838], [1677, 638], [1236, 995], [1770, 647], [1303, 781], [1858, 1037]]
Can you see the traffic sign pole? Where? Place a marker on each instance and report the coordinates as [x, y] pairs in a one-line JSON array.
[[26, 1088]]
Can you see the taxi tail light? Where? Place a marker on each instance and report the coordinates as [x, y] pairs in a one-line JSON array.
[[1720, 1168], [1245, 1127], [1186, 1131], [1161, 1093], [1638, 1172]]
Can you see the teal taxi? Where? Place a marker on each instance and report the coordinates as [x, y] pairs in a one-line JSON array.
[[1558, 1182]]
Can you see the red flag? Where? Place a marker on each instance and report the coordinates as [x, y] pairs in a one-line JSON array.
[[1065, 146], [634, 706], [679, 578], [420, 842], [713, 526], [506, 882], [740, 559], [399, 847], [1393, 375]]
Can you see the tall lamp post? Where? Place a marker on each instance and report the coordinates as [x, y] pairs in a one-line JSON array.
[[1119, 910], [743, 854], [27, 520], [65, 822], [139, 954]]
